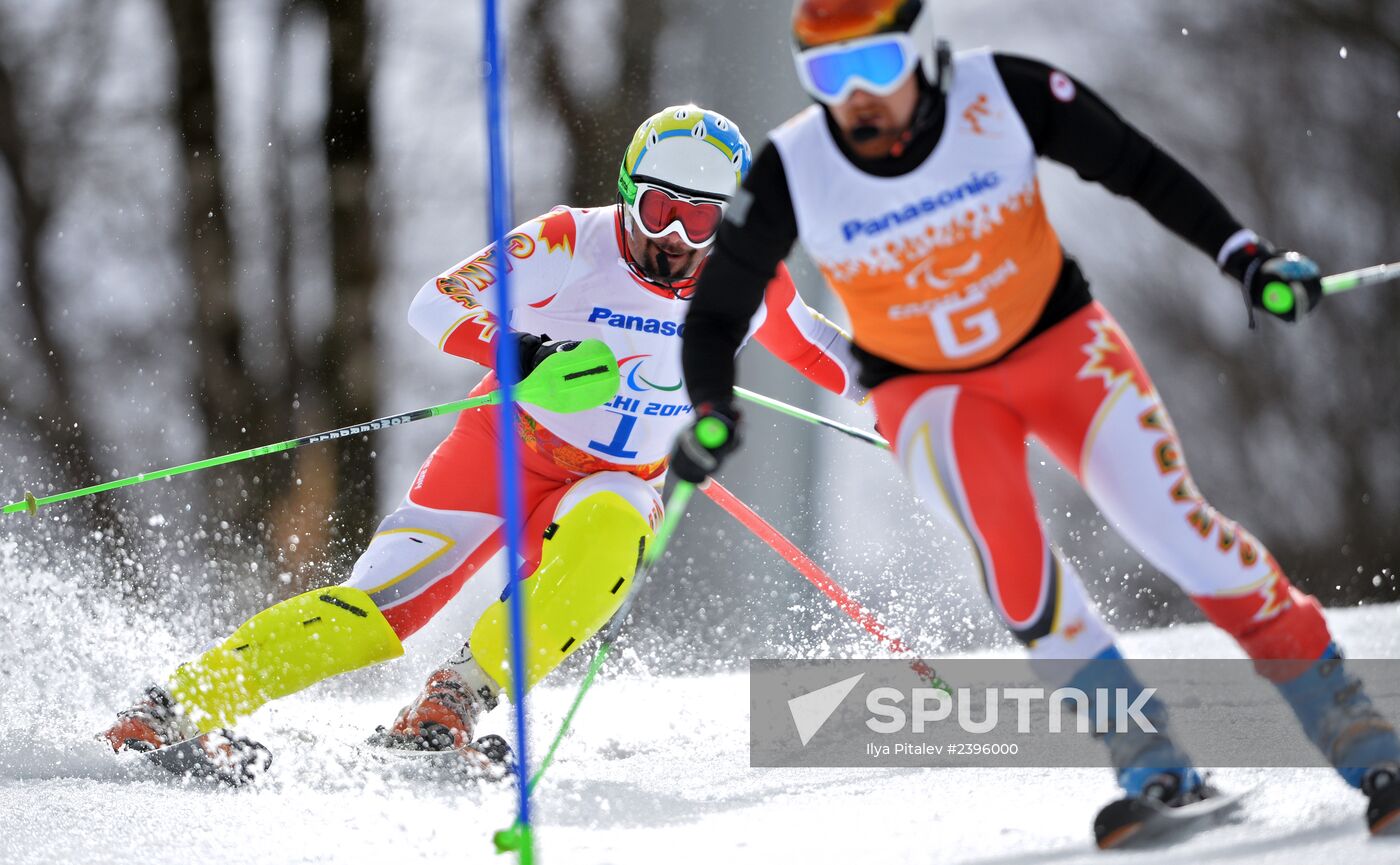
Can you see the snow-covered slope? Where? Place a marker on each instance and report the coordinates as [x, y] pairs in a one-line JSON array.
[[656, 771]]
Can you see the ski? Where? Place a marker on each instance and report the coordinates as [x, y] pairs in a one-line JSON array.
[[219, 755], [1141, 821], [489, 758], [1382, 788]]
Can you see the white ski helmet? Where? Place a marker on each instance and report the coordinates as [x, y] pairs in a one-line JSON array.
[[689, 149]]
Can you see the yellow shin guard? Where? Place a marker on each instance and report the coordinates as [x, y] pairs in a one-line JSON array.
[[281, 650], [587, 566]]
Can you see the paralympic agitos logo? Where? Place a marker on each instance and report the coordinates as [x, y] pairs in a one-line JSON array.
[[636, 380]]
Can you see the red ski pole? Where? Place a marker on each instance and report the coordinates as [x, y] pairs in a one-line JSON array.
[[818, 577]]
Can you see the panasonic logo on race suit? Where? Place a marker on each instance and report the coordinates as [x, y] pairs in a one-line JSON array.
[[635, 322], [975, 186]]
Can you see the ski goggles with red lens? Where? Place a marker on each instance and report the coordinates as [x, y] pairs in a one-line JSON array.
[[659, 211], [876, 64]]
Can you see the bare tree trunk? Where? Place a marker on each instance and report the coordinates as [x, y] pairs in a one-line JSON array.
[[604, 116], [224, 389], [298, 516], [236, 410], [346, 370], [58, 417]]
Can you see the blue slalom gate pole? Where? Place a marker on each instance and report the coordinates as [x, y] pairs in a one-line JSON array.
[[507, 369]]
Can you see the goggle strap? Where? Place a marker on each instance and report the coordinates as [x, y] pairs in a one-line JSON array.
[[696, 194], [626, 185]]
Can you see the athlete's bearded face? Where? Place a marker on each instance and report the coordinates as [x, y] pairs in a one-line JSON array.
[[873, 124], [668, 258]]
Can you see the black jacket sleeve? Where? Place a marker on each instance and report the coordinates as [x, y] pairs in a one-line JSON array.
[[758, 233], [1072, 125]]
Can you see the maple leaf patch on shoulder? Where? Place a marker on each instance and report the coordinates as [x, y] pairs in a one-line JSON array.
[[559, 231]]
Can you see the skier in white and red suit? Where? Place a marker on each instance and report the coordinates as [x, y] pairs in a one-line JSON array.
[[622, 274], [913, 185]]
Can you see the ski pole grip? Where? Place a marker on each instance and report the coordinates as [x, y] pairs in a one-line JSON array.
[[1278, 298], [711, 433]]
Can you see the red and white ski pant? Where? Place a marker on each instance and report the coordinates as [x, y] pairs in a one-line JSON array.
[[1080, 389], [449, 525]]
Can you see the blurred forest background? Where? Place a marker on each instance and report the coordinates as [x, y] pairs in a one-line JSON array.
[[213, 215]]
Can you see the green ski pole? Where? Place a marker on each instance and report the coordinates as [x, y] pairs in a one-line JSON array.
[[581, 378], [1278, 296], [1367, 276], [32, 504]]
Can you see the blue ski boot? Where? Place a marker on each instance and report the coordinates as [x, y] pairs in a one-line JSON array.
[[1157, 778], [1341, 721]]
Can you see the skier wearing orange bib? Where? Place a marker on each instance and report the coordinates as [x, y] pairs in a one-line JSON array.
[[913, 186]]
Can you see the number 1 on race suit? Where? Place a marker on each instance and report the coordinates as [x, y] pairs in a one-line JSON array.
[[982, 324], [618, 446]]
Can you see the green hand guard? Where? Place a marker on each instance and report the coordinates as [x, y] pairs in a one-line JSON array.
[[579, 379]]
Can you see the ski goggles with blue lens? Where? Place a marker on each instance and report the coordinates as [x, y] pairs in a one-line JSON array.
[[876, 64]]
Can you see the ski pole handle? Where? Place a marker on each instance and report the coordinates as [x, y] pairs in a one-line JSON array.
[[1278, 295], [1278, 298], [711, 433]]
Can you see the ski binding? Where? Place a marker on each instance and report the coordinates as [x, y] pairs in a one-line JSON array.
[[219, 755]]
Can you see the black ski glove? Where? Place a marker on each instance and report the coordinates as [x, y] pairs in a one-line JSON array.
[[700, 450], [534, 349], [1287, 285]]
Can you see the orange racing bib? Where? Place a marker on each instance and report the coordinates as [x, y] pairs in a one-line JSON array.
[[944, 268]]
